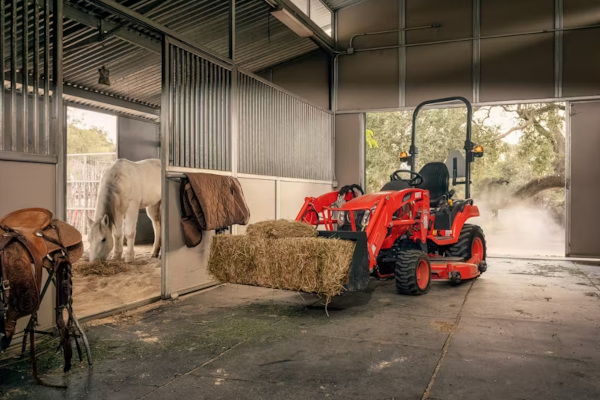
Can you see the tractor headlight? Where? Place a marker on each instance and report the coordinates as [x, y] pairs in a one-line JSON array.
[[342, 217], [365, 219]]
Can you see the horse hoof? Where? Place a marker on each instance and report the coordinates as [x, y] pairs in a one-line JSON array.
[[154, 256], [129, 259]]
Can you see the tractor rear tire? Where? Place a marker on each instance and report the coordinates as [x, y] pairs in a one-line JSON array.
[[471, 239], [413, 273]]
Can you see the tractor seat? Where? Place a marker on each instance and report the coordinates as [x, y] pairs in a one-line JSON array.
[[436, 179], [395, 185]]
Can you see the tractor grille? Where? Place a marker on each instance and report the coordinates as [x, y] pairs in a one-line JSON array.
[[346, 226]]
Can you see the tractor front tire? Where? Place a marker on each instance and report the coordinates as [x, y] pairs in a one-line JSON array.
[[471, 240], [413, 273]]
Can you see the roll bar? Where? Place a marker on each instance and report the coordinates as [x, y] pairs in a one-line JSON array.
[[468, 143]]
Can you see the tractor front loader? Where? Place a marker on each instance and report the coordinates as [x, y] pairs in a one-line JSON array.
[[413, 229]]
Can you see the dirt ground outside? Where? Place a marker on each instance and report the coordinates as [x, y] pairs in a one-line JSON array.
[[125, 283]]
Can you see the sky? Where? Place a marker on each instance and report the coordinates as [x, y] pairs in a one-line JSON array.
[[506, 121], [88, 119]]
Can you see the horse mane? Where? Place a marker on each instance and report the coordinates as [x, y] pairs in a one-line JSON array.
[[107, 193]]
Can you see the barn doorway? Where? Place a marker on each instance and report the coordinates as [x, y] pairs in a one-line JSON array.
[[95, 140], [519, 184]]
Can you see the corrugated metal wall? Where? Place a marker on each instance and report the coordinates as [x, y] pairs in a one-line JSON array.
[[25, 107], [200, 100], [282, 135]]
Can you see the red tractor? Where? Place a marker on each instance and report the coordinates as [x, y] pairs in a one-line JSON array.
[[412, 229]]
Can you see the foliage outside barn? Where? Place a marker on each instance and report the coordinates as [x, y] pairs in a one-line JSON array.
[[521, 177], [89, 154], [524, 150]]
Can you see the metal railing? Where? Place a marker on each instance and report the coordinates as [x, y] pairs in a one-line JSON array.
[[200, 100], [282, 135], [84, 173], [25, 61]]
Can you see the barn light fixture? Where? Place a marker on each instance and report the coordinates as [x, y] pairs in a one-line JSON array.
[[103, 78], [292, 22]]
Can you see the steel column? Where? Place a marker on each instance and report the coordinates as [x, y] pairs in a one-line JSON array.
[[165, 137], [232, 30], [476, 49], [46, 102], [59, 111], [558, 47], [2, 92], [568, 119], [25, 77], [13, 78], [402, 54], [36, 77]]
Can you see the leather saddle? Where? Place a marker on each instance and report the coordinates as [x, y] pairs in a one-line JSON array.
[[31, 237], [42, 232]]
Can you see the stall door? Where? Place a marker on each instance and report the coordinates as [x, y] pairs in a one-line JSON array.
[[139, 140], [584, 221], [195, 137]]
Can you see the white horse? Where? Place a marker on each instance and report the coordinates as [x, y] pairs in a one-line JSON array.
[[125, 187]]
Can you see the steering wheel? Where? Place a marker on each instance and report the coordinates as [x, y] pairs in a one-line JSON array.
[[354, 190], [416, 181]]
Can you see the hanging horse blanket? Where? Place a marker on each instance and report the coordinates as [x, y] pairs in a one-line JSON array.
[[210, 202]]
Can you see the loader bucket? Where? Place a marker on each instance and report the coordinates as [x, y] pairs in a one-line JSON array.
[[359, 267]]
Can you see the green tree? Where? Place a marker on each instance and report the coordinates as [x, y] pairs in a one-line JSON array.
[[87, 140], [531, 167]]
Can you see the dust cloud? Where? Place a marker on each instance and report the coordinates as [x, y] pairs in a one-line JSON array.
[[522, 229]]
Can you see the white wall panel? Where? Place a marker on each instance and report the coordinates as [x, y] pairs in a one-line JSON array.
[[292, 196], [186, 268], [260, 197], [29, 185]]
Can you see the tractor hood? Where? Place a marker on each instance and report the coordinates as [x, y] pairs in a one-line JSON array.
[[368, 200]]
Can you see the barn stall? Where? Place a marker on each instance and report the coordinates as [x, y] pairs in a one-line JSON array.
[[187, 94]]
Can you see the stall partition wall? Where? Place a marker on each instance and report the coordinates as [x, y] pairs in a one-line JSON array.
[[26, 184], [584, 190], [30, 120], [220, 120]]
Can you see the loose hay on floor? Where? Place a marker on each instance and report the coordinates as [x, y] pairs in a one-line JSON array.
[[281, 228], [307, 264], [102, 268]]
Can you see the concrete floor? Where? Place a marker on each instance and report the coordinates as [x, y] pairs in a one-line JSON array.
[[524, 330]]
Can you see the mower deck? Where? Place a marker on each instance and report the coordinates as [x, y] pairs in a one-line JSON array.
[[444, 268]]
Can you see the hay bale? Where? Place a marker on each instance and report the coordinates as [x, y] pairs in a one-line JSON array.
[[281, 228], [308, 264], [232, 259], [101, 268]]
